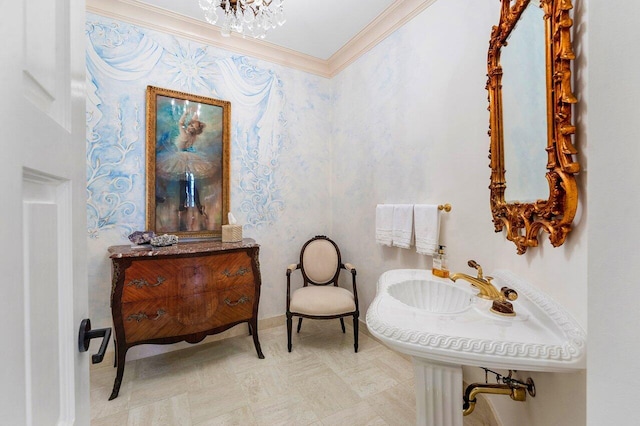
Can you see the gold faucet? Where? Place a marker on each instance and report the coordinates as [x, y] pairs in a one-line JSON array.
[[484, 285], [486, 289], [516, 389]]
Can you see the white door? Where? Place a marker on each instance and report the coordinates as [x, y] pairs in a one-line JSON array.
[[43, 290]]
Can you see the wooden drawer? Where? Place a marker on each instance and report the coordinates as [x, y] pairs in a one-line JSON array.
[[236, 304], [183, 315], [231, 270], [149, 279]]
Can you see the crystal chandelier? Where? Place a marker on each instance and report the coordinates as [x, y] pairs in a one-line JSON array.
[[246, 17]]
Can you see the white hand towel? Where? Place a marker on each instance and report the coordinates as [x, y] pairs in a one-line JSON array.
[[427, 219], [384, 224], [402, 225]]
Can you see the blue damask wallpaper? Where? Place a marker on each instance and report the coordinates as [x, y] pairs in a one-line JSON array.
[[279, 143], [128, 57]]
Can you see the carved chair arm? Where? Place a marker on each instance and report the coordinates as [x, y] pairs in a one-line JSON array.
[[292, 268], [349, 267]]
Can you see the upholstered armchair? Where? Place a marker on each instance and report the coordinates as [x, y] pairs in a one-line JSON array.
[[320, 297]]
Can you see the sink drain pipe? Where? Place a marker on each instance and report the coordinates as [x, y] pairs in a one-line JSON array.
[[516, 390]]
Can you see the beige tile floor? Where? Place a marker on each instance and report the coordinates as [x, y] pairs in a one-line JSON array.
[[321, 382]]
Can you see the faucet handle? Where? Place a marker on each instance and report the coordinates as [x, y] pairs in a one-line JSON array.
[[509, 293], [473, 264]]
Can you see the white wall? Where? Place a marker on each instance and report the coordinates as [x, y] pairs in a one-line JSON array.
[[613, 266], [411, 126]]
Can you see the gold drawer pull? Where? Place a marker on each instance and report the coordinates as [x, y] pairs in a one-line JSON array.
[[243, 299], [141, 282], [240, 272], [142, 316]]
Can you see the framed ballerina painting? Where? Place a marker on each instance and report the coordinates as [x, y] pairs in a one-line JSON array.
[[188, 146]]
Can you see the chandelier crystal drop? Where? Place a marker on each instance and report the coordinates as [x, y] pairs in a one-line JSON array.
[[246, 17]]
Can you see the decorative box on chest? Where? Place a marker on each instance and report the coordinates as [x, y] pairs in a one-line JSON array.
[[183, 292]]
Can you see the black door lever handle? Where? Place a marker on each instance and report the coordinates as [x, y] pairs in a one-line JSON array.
[[86, 334]]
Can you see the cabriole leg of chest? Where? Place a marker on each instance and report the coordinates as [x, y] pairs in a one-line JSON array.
[[120, 357], [253, 323], [119, 267]]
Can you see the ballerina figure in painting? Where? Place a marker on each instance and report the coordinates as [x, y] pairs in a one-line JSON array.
[[186, 165]]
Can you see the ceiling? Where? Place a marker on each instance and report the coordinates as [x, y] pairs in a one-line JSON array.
[[320, 37], [315, 28]]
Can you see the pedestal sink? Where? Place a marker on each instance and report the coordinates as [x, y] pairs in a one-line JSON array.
[[444, 326]]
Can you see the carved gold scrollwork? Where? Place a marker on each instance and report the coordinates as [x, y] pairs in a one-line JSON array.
[[523, 221], [256, 259], [240, 272], [243, 299], [140, 316], [141, 282], [115, 277]]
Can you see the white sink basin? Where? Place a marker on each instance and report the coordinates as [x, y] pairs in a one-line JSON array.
[[444, 326], [425, 316], [432, 296]]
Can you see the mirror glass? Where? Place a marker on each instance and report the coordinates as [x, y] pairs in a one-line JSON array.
[[524, 101]]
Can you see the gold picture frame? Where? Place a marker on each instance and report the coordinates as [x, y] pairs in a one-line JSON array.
[[188, 163], [522, 221]]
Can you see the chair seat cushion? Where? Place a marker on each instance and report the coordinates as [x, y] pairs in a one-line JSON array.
[[322, 301]]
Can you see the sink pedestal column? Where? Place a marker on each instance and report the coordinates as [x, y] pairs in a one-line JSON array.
[[438, 393]]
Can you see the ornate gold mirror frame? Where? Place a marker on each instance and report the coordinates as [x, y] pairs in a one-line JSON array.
[[523, 221]]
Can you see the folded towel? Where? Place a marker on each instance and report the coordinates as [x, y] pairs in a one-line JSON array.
[[427, 222], [402, 225], [384, 224]]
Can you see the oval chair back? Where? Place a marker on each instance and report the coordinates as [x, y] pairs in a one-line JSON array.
[[320, 261]]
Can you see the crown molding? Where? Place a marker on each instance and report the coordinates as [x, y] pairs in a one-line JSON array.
[[155, 18], [145, 15], [394, 17]]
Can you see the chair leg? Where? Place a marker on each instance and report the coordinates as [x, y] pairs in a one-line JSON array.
[[355, 332], [299, 324], [342, 324], [289, 326]]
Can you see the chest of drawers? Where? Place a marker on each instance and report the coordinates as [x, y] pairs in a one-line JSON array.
[[182, 293]]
